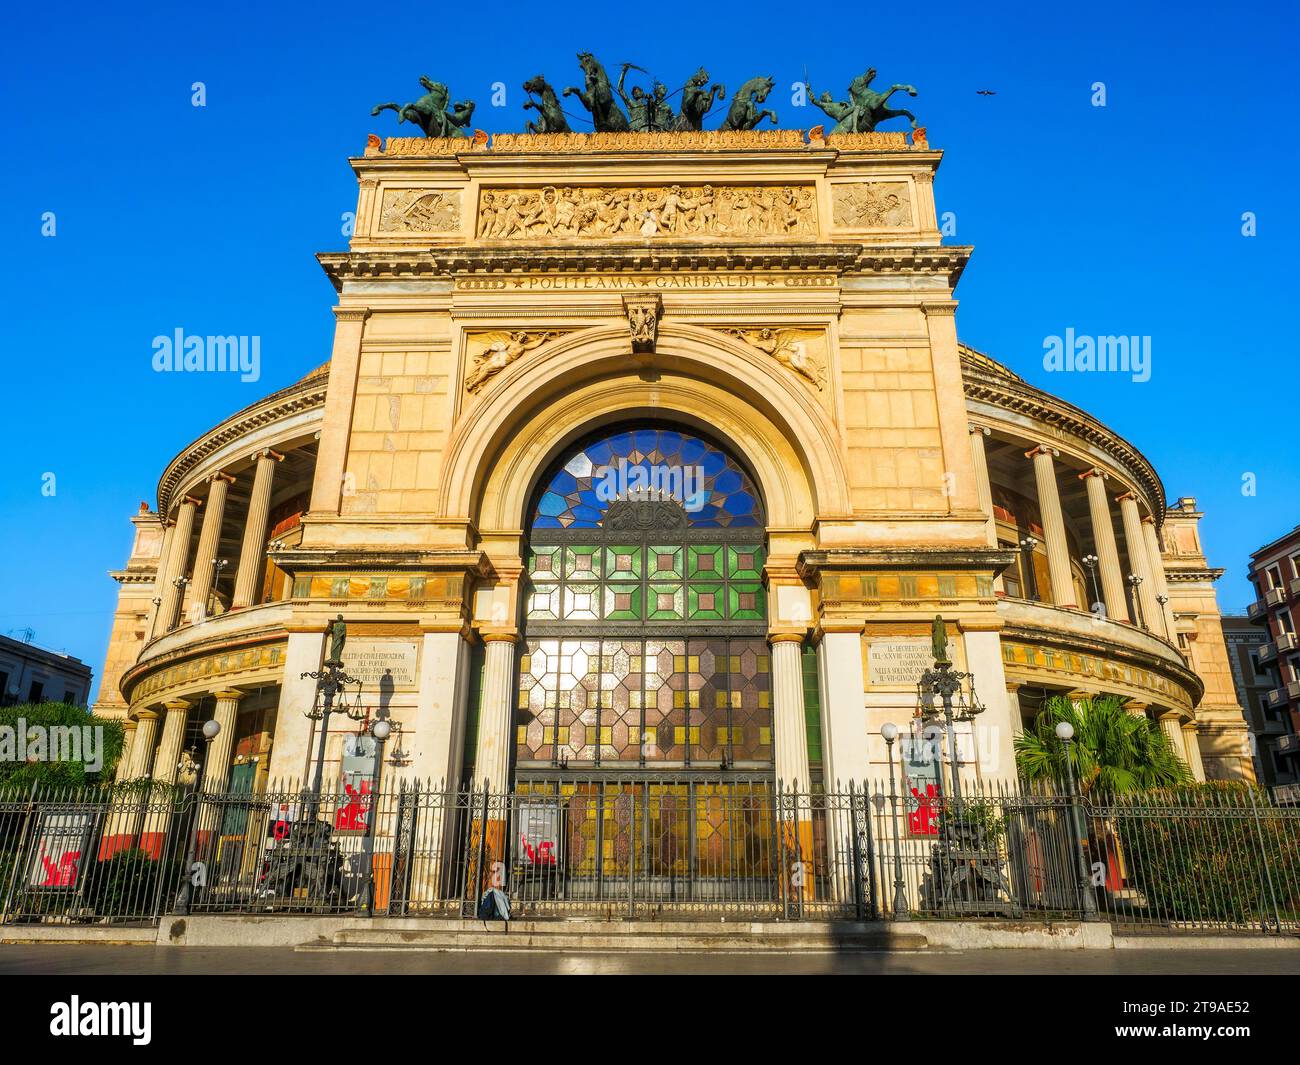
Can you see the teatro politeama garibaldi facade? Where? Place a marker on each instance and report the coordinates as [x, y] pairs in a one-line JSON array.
[[654, 456]]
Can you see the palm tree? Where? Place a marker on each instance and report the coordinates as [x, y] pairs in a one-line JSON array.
[[1113, 751]]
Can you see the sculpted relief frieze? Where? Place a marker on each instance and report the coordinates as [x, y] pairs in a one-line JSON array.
[[798, 350], [871, 205], [492, 351], [647, 212], [419, 211]]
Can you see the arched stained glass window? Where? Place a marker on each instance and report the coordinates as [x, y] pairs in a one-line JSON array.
[[645, 610], [646, 465]]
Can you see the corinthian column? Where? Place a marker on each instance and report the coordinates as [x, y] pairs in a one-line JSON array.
[[160, 575], [173, 735], [146, 735], [1157, 565], [983, 487], [496, 714], [176, 562], [1049, 506], [253, 550], [1103, 536], [216, 764], [1139, 560], [209, 541]]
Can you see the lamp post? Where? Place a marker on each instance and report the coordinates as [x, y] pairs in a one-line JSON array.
[[380, 730], [211, 729], [218, 564], [174, 620], [1027, 545], [1091, 562], [948, 684], [1065, 733], [1164, 623], [331, 681], [1135, 582], [889, 732]]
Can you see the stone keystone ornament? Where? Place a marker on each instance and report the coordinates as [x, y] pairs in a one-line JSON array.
[[643, 310]]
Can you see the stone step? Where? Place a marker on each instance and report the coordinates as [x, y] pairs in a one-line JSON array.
[[593, 936]]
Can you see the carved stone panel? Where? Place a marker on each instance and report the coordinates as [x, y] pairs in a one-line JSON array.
[[492, 351], [871, 205], [420, 211], [654, 212], [800, 350]]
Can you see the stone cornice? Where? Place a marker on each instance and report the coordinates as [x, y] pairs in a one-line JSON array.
[[1203, 573], [1012, 394], [841, 259], [300, 396], [982, 558], [299, 559]]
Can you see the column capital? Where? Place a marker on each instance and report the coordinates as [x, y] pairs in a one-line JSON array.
[[221, 475], [192, 501], [267, 453], [499, 636], [939, 307], [1190, 726], [1042, 449], [1136, 707], [976, 428], [1126, 496], [228, 693], [351, 314], [785, 637], [1094, 471], [146, 715], [1148, 519], [175, 705]]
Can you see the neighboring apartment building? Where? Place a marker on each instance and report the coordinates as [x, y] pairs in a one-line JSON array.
[[1269, 725], [1275, 573], [31, 674]]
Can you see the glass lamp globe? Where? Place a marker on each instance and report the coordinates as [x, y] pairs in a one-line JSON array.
[[211, 729], [889, 731], [380, 730], [1064, 731]]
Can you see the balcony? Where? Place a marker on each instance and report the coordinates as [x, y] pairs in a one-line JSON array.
[[1288, 744], [1294, 585], [1282, 696], [1257, 611], [1274, 597], [1267, 652]]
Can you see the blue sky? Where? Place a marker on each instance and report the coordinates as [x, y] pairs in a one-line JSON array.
[[1123, 219]]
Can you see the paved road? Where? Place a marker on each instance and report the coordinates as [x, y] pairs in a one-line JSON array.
[[49, 959]]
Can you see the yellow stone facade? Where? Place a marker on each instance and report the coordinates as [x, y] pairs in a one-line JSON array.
[[788, 295]]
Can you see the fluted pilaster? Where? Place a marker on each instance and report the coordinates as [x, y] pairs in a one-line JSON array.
[[496, 713]]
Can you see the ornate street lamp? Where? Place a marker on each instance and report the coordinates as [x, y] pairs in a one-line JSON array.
[[1091, 562], [952, 689], [332, 681], [1027, 545], [380, 729], [1065, 733], [211, 729], [1164, 623], [889, 732], [218, 564], [1135, 583]]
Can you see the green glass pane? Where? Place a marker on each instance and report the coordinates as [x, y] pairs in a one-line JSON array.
[[812, 706], [582, 562], [704, 560], [705, 601], [622, 563], [746, 601], [544, 563], [667, 602], [664, 563], [623, 602], [745, 562]]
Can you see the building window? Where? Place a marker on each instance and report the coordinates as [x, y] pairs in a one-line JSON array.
[[1274, 573], [36, 693]]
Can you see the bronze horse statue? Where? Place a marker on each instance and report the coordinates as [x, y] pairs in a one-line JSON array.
[[430, 112], [745, 112], [550, 117], [865, 109], [696, 100], [599, 97]]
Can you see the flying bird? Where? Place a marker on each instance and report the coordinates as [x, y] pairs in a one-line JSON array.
[[985, 92]]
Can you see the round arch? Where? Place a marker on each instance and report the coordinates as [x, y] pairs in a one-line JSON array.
[[699, 379]]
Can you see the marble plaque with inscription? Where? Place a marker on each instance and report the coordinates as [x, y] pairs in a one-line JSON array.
[[898, 662], [370, 661]]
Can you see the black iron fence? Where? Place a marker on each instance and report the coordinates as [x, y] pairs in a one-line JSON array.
[[1201, 858]]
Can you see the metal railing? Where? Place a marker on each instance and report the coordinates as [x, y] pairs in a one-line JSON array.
[[1221, 858]]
